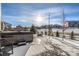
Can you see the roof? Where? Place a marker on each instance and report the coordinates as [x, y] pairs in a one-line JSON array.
[[15, 32]]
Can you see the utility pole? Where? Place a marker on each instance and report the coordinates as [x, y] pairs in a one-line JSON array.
[[49, 24], [0, 36], [63, 24]]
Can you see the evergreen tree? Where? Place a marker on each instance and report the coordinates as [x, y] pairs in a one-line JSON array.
[[45, 33], [72, 35], [41, 33], [33, 29], [52, 34], [57, 34]]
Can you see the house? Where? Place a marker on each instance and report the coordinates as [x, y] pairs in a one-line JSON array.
[[5, 26], [20, 28], [72, 24]]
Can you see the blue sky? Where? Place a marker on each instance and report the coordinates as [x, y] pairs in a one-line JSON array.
[[26, 14]]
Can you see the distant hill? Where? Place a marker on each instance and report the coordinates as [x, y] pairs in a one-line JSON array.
[[51, 26]]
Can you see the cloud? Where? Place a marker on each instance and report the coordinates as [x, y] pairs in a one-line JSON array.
[[0, 11], [55, 11], [70, 10], [18, 18], [72, 18], [29, 15], [0, 16]]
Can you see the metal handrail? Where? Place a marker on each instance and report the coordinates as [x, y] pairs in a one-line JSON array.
[[3, 43]]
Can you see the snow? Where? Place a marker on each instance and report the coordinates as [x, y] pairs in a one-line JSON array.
[[21, 50], [67, 45], [36, 48], [70, 46], [71, 42], [68, 30]]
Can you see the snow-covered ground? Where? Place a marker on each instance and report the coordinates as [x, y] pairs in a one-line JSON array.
[[70, 46], [20, 50], [67, 45], [73, 43], [68, 30], [38, 46]]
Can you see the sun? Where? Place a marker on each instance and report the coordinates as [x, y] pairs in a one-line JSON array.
[[39, 19]]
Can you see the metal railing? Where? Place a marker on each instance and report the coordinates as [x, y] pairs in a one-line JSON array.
[[6, 48]]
